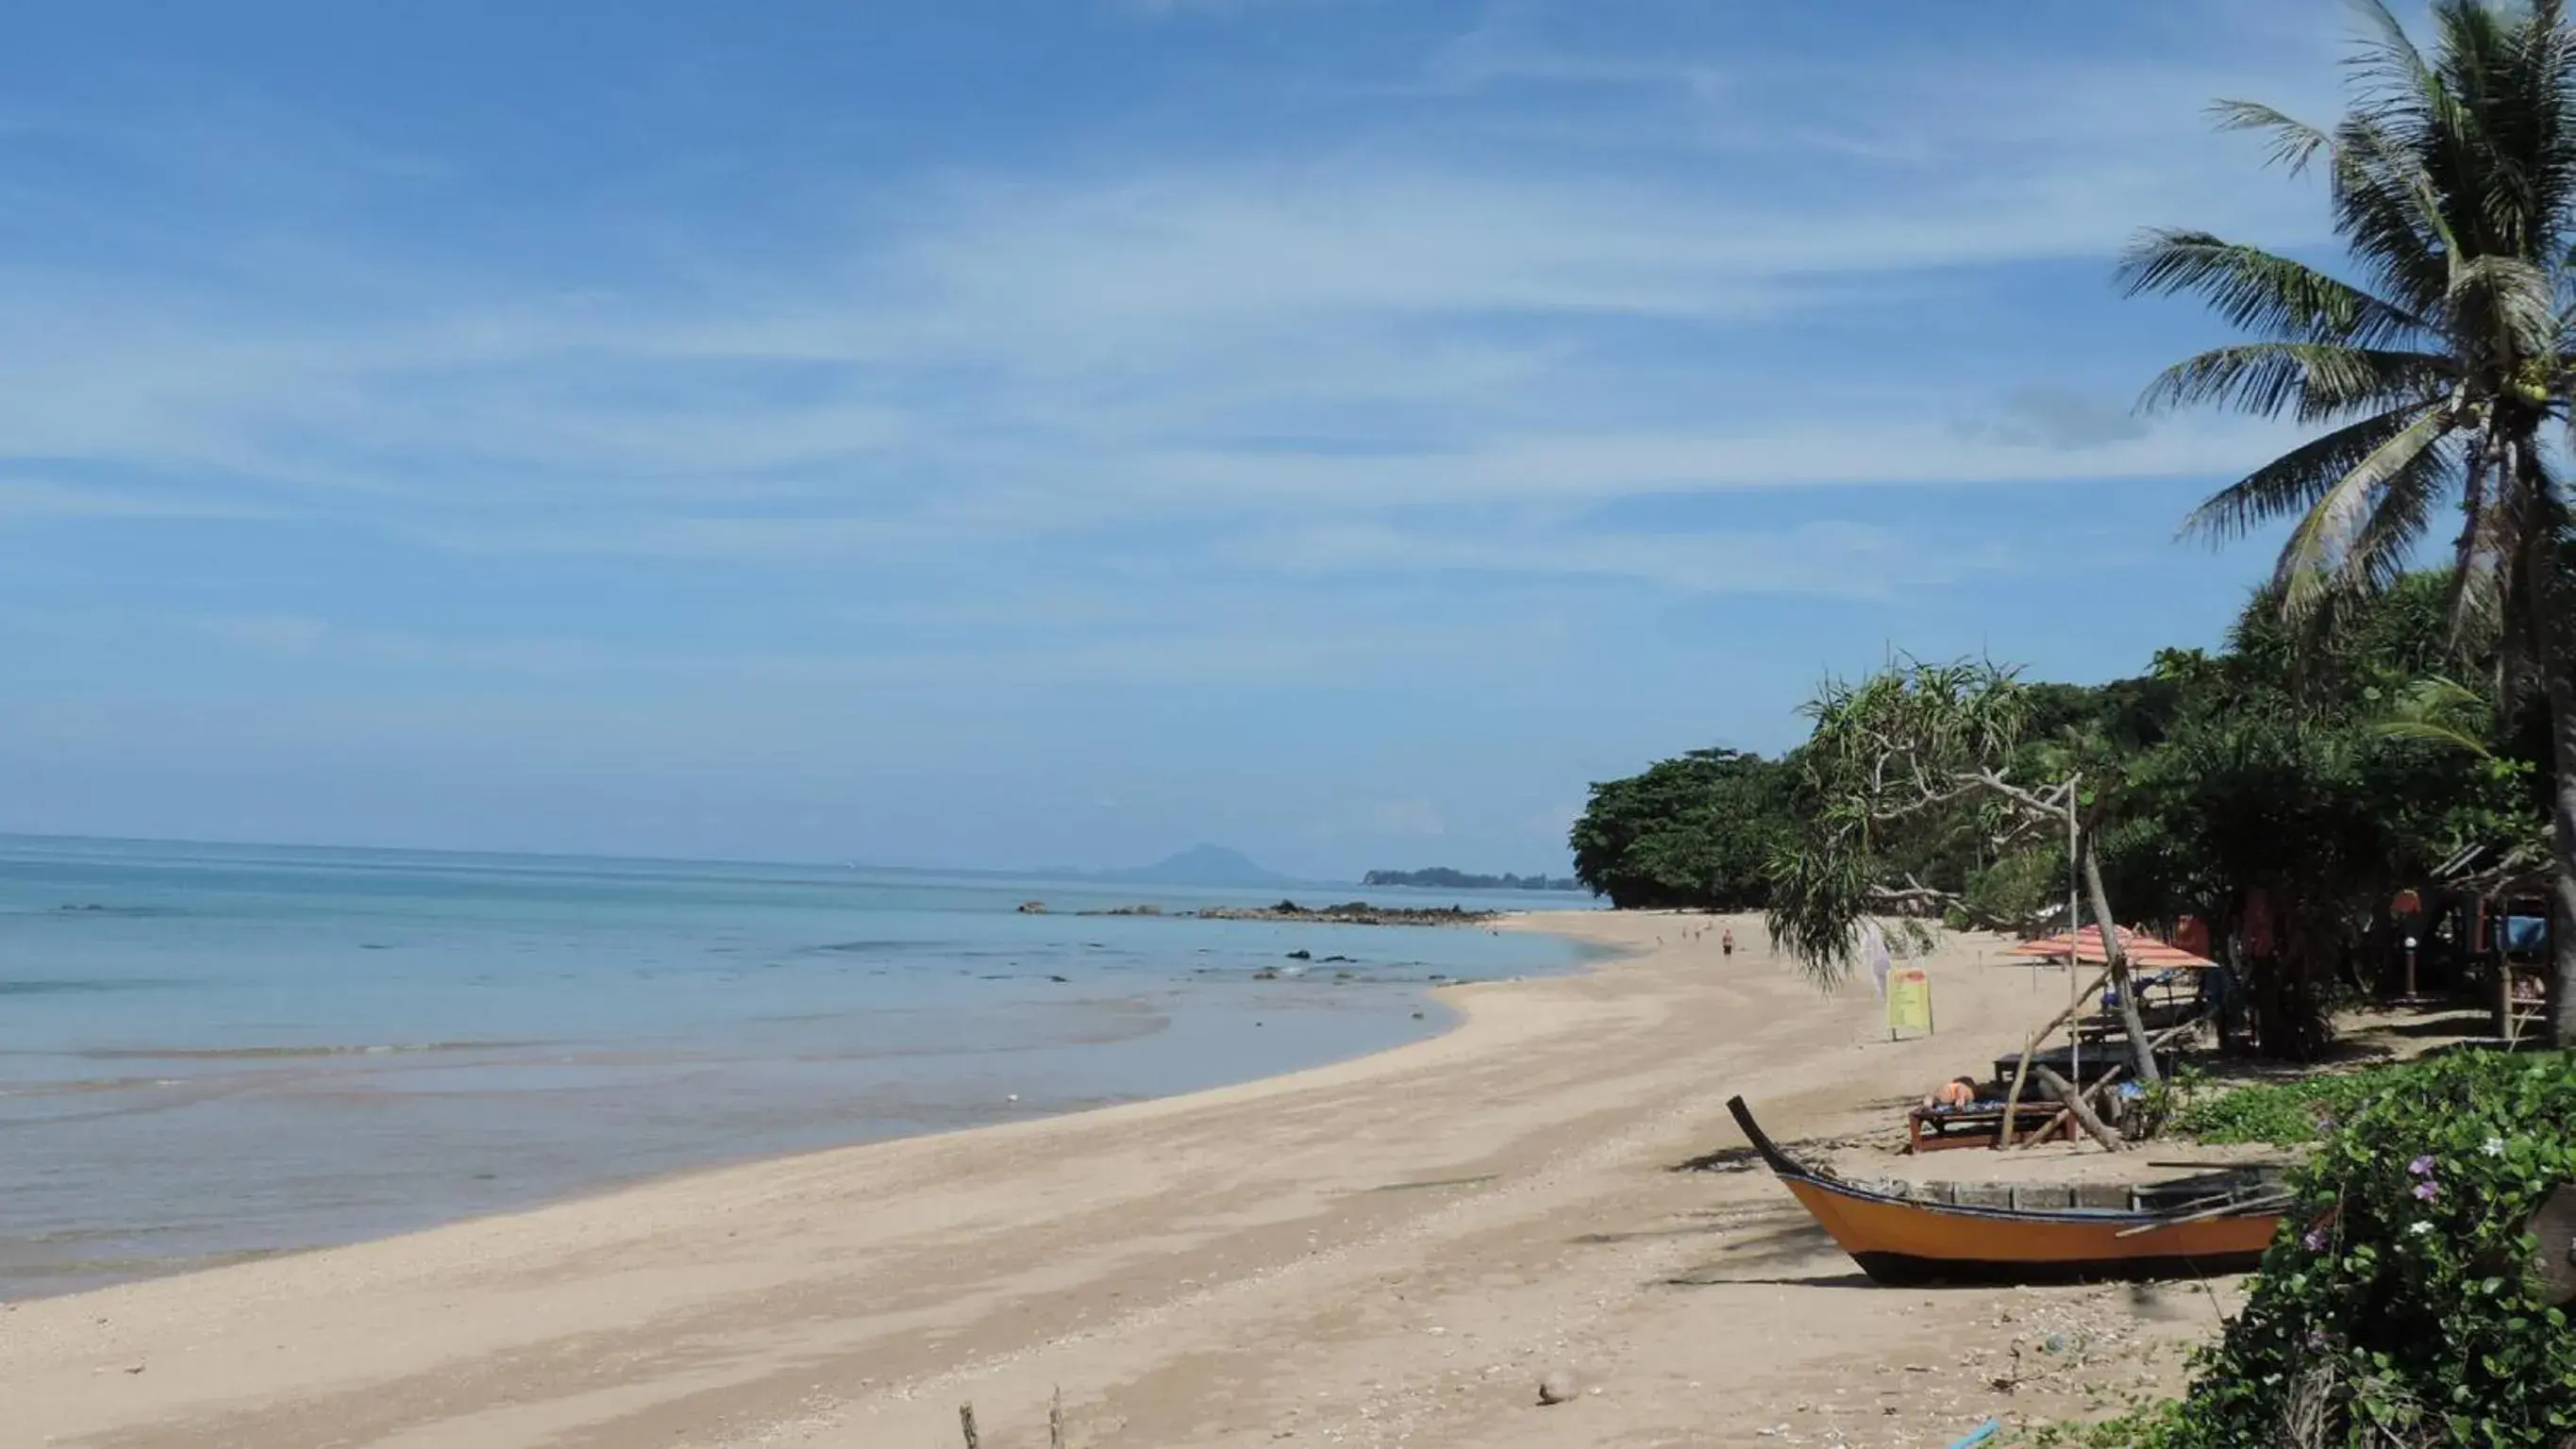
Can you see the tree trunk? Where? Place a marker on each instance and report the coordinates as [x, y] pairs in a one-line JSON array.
[[2142, 1057], [2558, 666]]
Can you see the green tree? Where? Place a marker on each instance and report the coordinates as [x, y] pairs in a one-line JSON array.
[[2453, 183], [2276, 770], [1916, 799], [1692, 832]]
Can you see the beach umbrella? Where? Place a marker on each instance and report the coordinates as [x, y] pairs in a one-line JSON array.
[[2142, 951]]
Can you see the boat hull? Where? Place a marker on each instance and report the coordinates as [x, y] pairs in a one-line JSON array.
[[1907, 1240], [1902, 1242]]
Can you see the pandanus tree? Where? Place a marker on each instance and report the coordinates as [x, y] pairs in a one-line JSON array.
[[2443, 378], [1918, 783]]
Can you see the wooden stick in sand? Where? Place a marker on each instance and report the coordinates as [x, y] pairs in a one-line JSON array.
[[2112, 1077], [1055, 1419], [2012, 1099], [2021, 1069], [966, 1421]]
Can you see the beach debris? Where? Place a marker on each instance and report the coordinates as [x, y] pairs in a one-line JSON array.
[[1979, 1435], [1557, 1386]]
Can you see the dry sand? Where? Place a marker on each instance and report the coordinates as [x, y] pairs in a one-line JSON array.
[[1387, 1251]]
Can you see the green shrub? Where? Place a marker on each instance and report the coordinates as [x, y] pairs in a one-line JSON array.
[[2286, 1114], [2398, 1306]]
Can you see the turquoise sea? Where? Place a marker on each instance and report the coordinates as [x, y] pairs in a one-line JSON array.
[[209, 1052]]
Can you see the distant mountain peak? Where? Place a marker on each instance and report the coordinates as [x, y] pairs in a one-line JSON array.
[[1212, 865]]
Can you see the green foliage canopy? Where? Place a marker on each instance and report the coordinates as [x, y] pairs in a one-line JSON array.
[[1693, 832], [2438, 378]]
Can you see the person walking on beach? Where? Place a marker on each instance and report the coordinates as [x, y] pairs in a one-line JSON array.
[[1726, 942]]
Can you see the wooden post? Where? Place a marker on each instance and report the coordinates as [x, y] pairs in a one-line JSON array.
[[966, 1421], [2504, 997], [1055, 1419], [2074, 927], [2012, 1099]]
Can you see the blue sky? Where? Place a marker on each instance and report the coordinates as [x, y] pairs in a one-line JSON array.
[[991, 434]]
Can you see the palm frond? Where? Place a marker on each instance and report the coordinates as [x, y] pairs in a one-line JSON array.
[[2390, 217], [2261, 292], [2295, 143], [2315, 381], [2293, 482], [2505, 306], [2439, 711], [2546, 98], [2313, 561], [2377, 555], [2371, 159]]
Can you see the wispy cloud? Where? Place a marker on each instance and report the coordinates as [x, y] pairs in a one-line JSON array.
[[1169, 385]]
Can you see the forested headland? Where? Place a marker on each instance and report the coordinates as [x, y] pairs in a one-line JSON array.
[[1441, 877], [2321, 766]]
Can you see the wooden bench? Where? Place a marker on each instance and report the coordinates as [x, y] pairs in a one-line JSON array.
[[1938, 1129]]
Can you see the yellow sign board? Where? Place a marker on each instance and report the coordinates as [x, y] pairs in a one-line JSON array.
[[1909, 1001]]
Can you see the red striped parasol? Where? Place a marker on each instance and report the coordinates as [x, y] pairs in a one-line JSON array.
[[2144, 951]]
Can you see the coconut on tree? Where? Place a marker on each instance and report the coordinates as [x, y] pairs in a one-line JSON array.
[[2442, 378]]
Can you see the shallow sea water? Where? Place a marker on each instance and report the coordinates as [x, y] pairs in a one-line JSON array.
[[213, 1052]]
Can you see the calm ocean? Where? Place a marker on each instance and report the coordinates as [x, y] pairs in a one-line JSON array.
[[209, 1051]]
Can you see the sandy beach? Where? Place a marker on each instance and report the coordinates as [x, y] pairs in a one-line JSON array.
[[1388, 1250]]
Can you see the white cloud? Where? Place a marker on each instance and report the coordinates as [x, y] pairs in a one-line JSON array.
[[1374, 322]]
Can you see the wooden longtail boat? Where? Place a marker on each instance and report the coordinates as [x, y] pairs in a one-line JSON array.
[[1993, 1233]]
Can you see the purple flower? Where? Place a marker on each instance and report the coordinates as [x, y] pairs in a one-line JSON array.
[[2427, 1190], [2421, 1166], [2315, 1241]]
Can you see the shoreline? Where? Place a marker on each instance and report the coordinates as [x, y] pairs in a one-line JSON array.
[[1444, 995], [377, 1182], [1226, 1266]]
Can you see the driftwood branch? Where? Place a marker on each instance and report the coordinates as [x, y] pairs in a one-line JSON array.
[[2111, 1078], [2073, 1101], [1913, 893], [2021, 1069]]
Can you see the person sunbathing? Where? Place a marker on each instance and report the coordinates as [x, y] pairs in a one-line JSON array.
[[1954, 1093]]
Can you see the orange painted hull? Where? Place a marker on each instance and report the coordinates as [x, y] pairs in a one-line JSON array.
[[1897, 1240], [1907, 1240]]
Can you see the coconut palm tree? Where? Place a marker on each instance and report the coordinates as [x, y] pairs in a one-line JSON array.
[[2441, 377]]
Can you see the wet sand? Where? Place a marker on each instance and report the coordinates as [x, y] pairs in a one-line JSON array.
[[1389, 1250]]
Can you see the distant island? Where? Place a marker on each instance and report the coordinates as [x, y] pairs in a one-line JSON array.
[[1200, 865], [1441, 877]]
